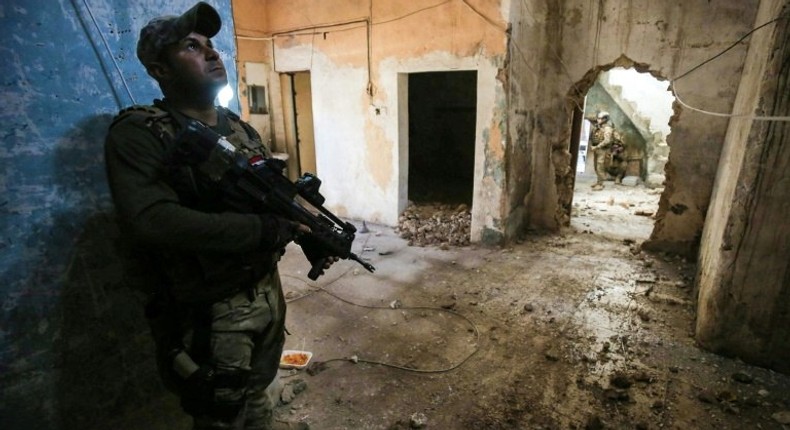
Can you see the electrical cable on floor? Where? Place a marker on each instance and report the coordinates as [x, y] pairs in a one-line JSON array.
[[395, 366], [381, 363]]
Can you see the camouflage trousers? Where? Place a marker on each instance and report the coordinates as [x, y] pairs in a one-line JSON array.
[[240, 339], [606, 165]]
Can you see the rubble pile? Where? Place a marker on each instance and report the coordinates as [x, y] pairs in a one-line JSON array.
[[435, 224]]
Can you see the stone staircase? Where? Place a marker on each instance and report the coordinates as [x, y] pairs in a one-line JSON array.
[[648, 104]]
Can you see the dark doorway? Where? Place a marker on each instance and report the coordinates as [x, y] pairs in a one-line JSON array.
[[442, 117]]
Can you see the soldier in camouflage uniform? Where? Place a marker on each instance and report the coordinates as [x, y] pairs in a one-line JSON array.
[[217, 314], [618, 163], [601, 140]]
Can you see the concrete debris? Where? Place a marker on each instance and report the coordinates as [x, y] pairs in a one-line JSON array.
[[615, 394], [594, 423], [436, 224], [707, 396], [644, 313], [726, 396], [620, 380], [551, 355], [671, 300], [743, 377], [291, 390], [782, 417], [418, 420]]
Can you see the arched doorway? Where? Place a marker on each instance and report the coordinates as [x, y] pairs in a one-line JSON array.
[[639, 106]]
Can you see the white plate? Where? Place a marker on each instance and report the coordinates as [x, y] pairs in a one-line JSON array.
[[284, 365]]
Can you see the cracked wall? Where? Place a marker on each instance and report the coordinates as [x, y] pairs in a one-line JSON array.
[[743, 279], [557, 50]]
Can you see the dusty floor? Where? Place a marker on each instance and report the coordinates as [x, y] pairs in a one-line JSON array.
[[581, 330]]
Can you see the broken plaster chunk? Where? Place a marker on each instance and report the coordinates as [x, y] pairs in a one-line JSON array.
[[620, 380], [743, 377], [291, 390], [782, 417], [418, 420], [643, 313], [551, 355], [354, 359]]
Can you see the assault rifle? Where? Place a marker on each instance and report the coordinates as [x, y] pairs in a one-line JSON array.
[[259, 184]]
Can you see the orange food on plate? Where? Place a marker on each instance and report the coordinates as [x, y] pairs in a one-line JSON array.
[[297, 359]]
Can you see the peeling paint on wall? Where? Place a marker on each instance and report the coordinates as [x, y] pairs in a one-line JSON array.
[[356, 52], [665, 39], [379, 156]]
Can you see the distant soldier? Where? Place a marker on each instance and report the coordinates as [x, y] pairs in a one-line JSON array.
[[616, 161], [602, 138]]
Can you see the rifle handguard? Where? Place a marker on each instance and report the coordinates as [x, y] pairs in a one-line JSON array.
[[260, 181]]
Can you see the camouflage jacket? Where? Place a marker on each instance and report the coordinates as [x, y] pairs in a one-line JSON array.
[[203, 250]]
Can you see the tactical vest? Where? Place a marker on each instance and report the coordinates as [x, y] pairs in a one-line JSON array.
[[598, 134], [165, 125], [198, 278]]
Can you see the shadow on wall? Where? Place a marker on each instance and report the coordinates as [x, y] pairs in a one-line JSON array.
[[107, 369], [81, 351]]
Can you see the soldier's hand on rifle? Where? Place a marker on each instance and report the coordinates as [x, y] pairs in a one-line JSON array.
[[277, 232], [329, 262], [315, 253], [303, 231]]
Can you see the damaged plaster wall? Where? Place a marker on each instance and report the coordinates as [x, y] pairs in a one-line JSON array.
[[743, 276], [75, 350], [557, 51], [358, 82]]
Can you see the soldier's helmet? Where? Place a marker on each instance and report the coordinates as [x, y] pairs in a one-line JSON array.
[[604, 115]]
